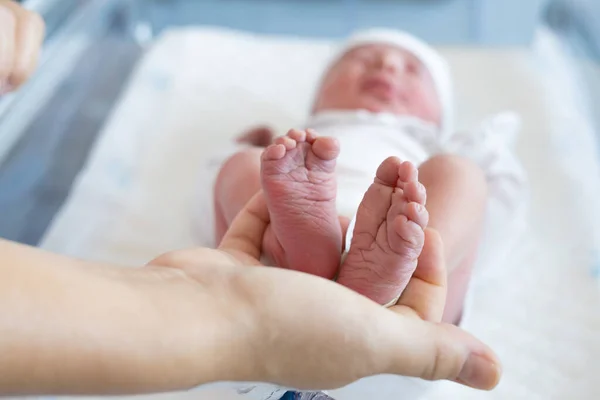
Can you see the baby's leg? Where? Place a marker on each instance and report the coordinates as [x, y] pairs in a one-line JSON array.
[[456, 200], [237, 182]]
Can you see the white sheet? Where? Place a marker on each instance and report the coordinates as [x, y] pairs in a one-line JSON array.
[[199, 87]]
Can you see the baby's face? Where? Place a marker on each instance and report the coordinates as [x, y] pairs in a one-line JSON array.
[[380, 78]]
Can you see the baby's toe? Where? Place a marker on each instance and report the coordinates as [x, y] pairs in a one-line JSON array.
[[408, 236], [286, 142], [417, 213], [326, 148], [407, 172], [415, 191], [387, 173], [274, 152], [297, 135], [311, 135]]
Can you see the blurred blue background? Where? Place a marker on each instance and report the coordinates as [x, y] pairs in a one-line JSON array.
[[438, 21]]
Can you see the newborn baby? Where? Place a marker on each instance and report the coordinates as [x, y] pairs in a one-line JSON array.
[[375, 146]]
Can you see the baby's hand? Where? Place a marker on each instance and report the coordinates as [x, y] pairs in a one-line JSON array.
[[260, 136], [21, 36]]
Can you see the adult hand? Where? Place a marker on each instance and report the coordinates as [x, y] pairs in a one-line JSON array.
[[21, 36], [198, 316], [311, 333]]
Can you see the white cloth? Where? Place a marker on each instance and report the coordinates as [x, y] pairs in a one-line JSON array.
[[202, 86]]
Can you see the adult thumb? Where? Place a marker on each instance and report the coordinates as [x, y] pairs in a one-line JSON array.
[[442, 351]]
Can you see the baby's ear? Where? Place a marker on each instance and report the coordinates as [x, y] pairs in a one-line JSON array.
[[260, 136]]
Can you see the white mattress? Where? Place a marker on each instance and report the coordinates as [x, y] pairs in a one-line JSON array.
[[197, 88]]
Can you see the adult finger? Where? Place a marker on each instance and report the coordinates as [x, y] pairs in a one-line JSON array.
[[8, 28], [310, 342], [28, 34], [442, 351], [245, 235], [426, 290]]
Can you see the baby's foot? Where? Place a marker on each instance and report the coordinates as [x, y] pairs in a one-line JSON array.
[[299, 183], [388, 236]]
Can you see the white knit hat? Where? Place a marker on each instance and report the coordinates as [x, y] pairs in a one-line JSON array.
[[433, 61]]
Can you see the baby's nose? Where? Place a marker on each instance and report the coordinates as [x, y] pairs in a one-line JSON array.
[[392, 62]]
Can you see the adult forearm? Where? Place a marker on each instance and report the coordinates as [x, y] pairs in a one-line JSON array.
[[70, 327]]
